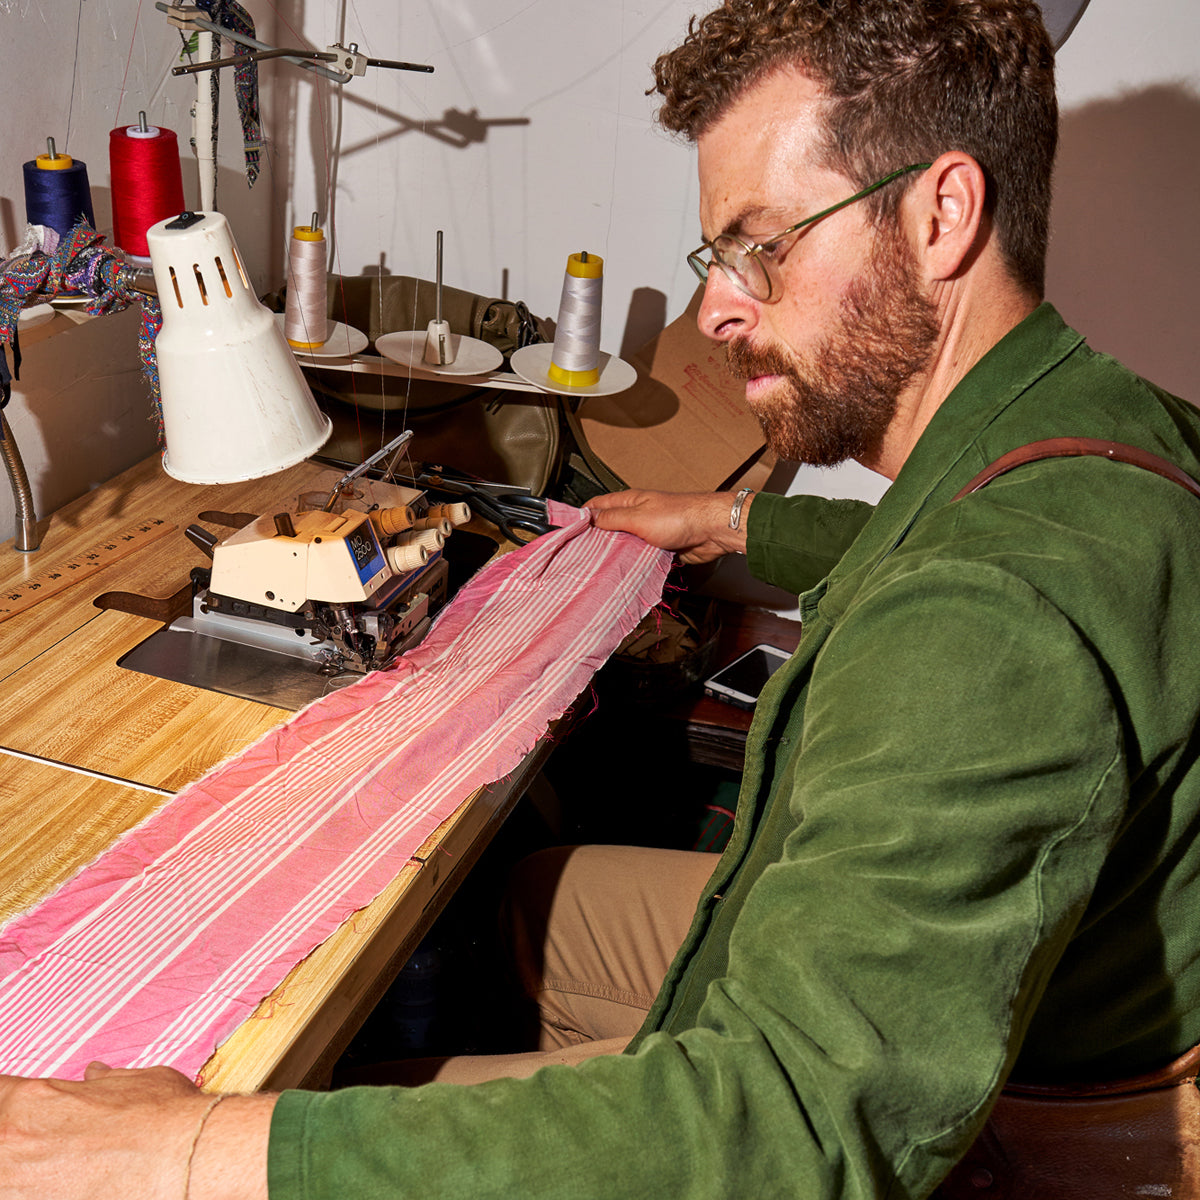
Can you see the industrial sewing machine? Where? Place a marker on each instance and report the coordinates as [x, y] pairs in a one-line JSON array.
[[345, 591], [296, 603]]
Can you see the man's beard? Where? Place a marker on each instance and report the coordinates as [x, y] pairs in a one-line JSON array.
[[839, 403]]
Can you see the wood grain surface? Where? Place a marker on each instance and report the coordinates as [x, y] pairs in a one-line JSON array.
[[64, 700], [55, 821], [156, 569], [83, 710]]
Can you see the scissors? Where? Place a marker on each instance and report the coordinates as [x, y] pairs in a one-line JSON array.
[[518, 515]]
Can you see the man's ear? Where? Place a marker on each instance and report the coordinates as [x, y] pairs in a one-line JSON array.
[[949, 211]]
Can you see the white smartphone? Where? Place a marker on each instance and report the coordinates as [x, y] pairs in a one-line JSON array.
[[741, 681]]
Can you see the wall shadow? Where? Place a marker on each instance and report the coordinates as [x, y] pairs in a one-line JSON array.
[[645, 318], [1125, 249]]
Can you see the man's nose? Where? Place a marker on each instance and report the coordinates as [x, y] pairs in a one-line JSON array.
[[725, 311]]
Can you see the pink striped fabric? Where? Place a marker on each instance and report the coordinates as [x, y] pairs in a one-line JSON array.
[[160, 948]]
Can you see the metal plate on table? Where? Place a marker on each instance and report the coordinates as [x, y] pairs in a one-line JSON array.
[[250, 672]]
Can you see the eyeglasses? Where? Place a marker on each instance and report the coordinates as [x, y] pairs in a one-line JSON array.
[[741, 261]]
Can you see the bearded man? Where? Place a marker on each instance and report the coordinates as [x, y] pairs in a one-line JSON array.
[[964, 853]]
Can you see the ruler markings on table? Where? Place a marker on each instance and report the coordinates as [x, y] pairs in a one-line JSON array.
[[25, 593]]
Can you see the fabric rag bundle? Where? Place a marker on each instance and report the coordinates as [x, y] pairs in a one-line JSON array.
[[159, 949]]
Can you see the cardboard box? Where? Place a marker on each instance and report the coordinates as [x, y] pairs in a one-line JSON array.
[[684, 426]]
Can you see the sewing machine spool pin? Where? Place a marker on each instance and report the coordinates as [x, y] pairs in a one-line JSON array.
[[439, 349]]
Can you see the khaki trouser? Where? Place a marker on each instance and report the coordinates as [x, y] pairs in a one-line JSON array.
[[593, 931]]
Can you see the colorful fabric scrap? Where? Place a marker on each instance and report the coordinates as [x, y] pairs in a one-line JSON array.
[[245, 81], [77, 265]]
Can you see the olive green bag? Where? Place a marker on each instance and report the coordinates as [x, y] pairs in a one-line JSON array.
[[531, 439]]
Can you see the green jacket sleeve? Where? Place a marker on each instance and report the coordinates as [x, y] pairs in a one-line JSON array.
[[794, 541], [949, 816]]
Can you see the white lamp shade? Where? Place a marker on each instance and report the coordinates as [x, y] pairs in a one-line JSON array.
[[235, 403]]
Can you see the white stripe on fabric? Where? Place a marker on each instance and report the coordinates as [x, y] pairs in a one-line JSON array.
[[259, 861]]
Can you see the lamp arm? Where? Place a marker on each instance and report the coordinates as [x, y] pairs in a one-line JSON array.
[[26, 537]]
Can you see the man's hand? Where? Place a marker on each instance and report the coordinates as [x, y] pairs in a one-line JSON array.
[[695, 524], [128, 1133], [118, 1133]]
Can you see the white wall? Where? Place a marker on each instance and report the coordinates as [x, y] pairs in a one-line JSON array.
[[533, 138], [1125, 248], [566, 156]]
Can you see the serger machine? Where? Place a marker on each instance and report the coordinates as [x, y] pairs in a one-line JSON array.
[[295, 603], [344, 591]]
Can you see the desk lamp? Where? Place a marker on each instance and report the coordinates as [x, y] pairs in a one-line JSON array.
[[235, 403]]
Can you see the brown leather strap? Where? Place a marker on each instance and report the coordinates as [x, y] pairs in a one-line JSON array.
[[1184, 1069], [1138, 1136], [1076, 447], [1130, 1137]]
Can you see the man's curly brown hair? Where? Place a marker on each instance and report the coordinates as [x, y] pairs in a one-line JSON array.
[[906, 80]]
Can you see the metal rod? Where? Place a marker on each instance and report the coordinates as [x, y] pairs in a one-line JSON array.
[[256, 56], [439, 277], [301, 58], [399, 66], [26, 537], [351, 475], [245, 40]]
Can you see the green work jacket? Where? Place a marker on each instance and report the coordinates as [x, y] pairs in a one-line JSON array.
[[965, 845]]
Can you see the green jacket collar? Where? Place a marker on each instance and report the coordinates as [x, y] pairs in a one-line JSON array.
[[942, 460]]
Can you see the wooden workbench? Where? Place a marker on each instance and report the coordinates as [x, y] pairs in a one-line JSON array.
[[89, 749]]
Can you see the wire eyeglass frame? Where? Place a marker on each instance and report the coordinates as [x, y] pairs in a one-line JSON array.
[[746, 270]]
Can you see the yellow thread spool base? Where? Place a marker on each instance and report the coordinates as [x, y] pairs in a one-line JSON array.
[[591, 267], [578, 379], [60, 162]]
